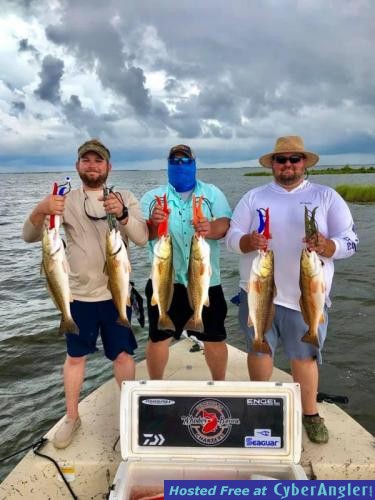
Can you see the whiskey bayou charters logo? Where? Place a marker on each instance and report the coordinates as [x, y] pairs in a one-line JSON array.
[[209, 422]]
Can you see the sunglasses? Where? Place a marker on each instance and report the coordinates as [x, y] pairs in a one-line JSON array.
[[281, 159], [179, 161], [91, 217]]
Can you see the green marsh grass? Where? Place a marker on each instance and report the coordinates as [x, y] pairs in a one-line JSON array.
[[347, 169], [357, 193]]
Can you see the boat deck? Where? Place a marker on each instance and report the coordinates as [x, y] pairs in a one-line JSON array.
[[349, 454]]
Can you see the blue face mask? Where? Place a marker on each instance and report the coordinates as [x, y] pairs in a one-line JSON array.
[[182, 177]]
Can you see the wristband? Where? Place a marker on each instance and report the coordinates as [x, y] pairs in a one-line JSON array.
[[124, 215]]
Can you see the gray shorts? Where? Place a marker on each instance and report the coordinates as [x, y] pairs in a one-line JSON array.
[[288, 328]]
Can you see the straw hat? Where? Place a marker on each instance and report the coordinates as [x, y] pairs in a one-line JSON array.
[[289, 144]]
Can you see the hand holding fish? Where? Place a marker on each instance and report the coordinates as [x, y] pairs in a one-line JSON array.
[[112, 204], [52, 204], [202, 227], [158, 215], [321, 245], [253, 241]]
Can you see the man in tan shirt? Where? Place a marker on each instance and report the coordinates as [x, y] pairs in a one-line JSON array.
[[83, 213]]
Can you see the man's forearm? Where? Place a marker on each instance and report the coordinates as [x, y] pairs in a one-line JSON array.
[[218, 228]]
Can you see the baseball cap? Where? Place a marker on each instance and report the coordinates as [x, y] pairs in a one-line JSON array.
[[182, 149], [95, 146]]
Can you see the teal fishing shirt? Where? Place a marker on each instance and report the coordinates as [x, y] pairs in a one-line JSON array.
[[214, 206]]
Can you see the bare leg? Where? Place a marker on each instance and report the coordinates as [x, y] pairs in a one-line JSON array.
[[216, 354], [305, 372], [157, 354], [124, 367], [259, 367], [74, 372]]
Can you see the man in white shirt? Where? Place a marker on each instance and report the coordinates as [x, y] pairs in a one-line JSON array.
[[286, 198]]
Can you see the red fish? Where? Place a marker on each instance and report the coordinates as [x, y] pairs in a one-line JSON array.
[[211, 424]]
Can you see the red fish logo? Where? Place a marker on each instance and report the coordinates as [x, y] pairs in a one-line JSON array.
[[211, 422]]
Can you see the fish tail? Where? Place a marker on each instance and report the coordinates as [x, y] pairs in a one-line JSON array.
[[261, 346], [68, 326], [165, 323], [194, 324], [311, 339], [123, 320]]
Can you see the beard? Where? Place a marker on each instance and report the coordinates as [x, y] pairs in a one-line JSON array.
[[286, 179], [91, 182]]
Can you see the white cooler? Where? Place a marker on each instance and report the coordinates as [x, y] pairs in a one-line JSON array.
[[194, 430]]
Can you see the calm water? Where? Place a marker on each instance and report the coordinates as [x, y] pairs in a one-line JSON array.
[[32, 354]]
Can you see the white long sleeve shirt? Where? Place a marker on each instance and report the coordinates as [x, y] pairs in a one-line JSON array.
[[287, 226]]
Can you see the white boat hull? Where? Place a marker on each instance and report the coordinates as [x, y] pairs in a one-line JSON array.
[[349, 454]]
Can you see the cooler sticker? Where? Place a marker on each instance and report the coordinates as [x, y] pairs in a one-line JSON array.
[[209, 422], [68, 472], [262, 439], [153, 440], [158, 402]]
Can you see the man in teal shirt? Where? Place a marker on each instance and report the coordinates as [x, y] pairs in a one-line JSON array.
[[182, 185]]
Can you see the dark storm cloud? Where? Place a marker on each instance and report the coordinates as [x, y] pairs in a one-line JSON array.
[[88, 30], [50, 76], [17, 107], [25, 46], [249, 60], [85, 119]]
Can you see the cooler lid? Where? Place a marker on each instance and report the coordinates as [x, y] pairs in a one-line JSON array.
[[221, 421]]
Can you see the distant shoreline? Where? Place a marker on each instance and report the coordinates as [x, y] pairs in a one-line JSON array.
[[325, 171]]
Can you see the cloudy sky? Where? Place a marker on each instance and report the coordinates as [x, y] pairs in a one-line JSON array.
[[225, 77]]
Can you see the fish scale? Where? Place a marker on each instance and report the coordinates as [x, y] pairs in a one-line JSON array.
[[55, 268], [261, 291]]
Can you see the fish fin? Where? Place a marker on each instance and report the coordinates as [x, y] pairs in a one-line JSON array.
[[303, 311], [68, 326], [171, 291], [207, 302], [270, 317], [165, 323], [250, 322], [261, 346], [123, 321], [322, 319], [202, 269], [194, 325], [154, 302], [65, 266], [311, 339], [190, 299], [128, 301]]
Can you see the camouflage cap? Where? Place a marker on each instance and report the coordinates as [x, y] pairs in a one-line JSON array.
[[95, 146], [182, 148]]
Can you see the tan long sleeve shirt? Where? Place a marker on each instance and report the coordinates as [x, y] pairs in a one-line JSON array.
[[85, 248]]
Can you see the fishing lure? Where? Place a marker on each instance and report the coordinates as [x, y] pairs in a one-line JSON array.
[[162, 203], [61, 190], [264, 222], [311, 226]]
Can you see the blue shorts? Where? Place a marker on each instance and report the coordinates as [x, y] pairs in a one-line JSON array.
[[101, 317], [288, 328]]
